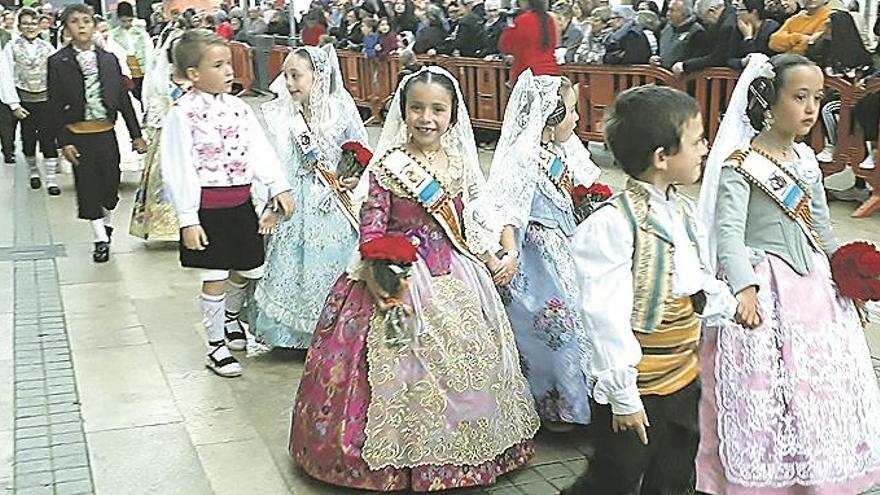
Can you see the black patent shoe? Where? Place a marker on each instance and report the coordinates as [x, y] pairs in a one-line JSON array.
[[9, 159], [36, 183], [102, 252], [54, 190]]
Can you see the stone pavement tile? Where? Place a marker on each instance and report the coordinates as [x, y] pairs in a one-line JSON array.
[[123, 387], [173, 326], [96, 299], [77, 267], [253, 470], [209, 409], [78, 487], [553, 471], [142, 279], [538, 488], [7, 412], [523, 476], [146, 461], [105, 330], [7, 459]]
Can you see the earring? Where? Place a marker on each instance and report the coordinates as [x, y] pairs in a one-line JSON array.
[[768, 120]]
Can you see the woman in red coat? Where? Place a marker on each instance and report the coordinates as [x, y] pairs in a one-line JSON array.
[[531, 40]]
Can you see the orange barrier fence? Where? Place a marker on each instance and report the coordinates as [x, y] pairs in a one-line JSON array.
[[485, 89], [242, 66]]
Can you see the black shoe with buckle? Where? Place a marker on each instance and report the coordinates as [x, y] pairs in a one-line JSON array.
[[54, 190], [9, 159], [36, 183], [102, 252]]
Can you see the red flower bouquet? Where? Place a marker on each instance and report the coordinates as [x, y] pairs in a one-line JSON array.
[[355, 158], [586, 199], [389, 263], [855, 269]]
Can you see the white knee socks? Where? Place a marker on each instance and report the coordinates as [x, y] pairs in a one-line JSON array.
[[51, 169], [213, 308], [99, 231], [235, 294], [32, 166]]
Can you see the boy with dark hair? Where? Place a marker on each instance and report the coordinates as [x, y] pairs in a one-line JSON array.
[[25, 59], [644, 292], [137, 44], [86, 93]]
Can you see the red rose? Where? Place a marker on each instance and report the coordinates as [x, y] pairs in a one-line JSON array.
[[363, 156], [396, 248], [579, 193], [352, 146], [600, 190], [854, 268]]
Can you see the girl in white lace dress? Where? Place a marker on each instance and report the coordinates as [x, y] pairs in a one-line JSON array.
[[790, 403], [308, 252]]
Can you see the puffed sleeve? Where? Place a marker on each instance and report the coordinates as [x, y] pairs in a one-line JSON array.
[[263, 160], [178, 170], [731, 212], [603, 250]]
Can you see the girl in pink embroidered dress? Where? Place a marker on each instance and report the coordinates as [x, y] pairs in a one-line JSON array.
[[451, 408]]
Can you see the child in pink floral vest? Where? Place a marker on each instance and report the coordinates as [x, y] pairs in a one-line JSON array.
[[212, 149]]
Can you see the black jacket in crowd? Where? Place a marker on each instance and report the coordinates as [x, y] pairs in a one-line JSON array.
[[67, 92], [681, 43], [725, 40], [493, 34], [432, 36], [469, 37], [628, 45]]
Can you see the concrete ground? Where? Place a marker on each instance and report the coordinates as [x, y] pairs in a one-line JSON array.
[[102, 383]]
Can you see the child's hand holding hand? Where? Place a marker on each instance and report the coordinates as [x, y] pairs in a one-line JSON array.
[[195, 238], [268, 222], [139, 145], [628, 422], [748, 314], [349, 183], [284, 202]]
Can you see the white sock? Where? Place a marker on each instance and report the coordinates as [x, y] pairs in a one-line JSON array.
[[212, 316], [32, 166], [99, 231], [51, 169], [108, 217], [235, 294]]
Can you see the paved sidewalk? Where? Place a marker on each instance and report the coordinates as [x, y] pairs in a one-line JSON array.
[[102, 383]]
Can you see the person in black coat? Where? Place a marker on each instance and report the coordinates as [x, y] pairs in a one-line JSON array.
[[723, 36], [496, 21], [469, 37], [86, 94], [433, 35], [627, 45]]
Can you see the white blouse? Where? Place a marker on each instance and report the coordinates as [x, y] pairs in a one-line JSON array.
[[603, 251]]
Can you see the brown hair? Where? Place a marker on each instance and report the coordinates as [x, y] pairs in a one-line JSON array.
[[559, 113], [190, 47]]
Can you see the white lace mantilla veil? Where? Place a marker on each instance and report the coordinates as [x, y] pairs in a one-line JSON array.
[[458, 144], [515, 174], [333, 109], [734, 133]]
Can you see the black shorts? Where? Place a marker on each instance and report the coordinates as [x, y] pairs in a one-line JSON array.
[[233, 240]]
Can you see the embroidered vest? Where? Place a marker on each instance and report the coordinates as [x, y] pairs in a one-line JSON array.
[[220, 138], [31, 64], [666, 327]]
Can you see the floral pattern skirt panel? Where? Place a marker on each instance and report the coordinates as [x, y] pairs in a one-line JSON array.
[[153, 217], [542, 307], [792, 406], [303, 258], [450, 409]]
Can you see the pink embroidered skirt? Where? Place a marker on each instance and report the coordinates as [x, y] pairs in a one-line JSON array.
[[791, 407], [425, 404]]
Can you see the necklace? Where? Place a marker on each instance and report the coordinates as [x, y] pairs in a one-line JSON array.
[[786, 150]]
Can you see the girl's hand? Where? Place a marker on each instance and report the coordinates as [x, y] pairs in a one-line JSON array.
[[748, 313], [195, 238], [284, 202], [506, 270], [349, 183], [268, 222]]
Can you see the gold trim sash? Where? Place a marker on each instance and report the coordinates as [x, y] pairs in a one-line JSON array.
[[412, 177], [786, 190], [556, 170], [307, 144]]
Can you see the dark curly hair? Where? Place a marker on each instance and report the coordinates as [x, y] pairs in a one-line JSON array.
[[428, 77], [763, 92]]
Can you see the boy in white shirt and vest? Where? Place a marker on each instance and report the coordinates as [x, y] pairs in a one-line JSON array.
[[212, 149], [645, 290], [26, 58]]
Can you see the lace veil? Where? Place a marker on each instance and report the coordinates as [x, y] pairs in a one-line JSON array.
[[458, 143], [515, 174], [334, 113], [735, 132]]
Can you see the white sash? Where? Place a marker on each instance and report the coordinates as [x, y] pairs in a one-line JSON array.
[[786, 190], [307, 144], [423, 187]]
